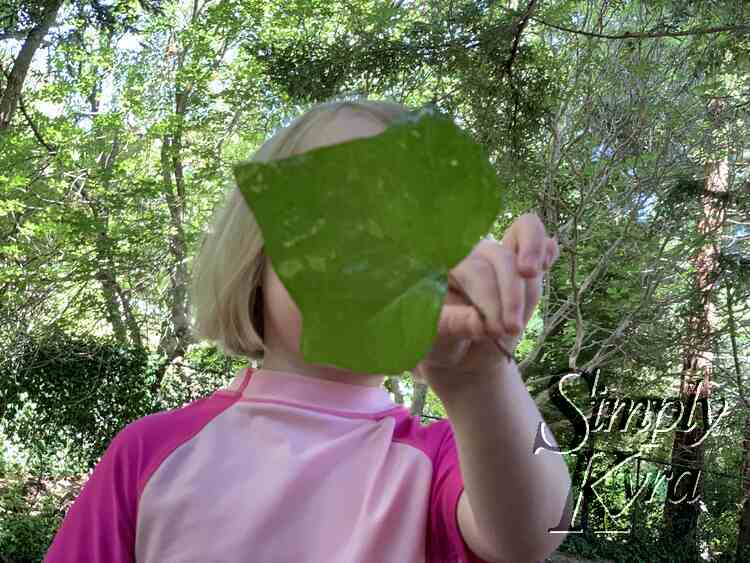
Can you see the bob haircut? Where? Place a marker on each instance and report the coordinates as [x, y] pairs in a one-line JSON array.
[[225, 290]]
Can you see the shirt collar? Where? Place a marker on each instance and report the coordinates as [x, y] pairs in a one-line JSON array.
[[309, 391]]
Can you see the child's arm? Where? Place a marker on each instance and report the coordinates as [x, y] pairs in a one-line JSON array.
[[511, 496], [99, 526]]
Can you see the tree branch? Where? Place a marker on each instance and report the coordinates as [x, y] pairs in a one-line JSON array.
[[52, 149], [742, 29], [647, 35], [519, 27]]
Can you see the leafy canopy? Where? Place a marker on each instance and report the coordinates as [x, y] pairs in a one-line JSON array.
[[363, 234]]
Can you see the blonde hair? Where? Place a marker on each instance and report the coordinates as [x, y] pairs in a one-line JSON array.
[[225, 293]]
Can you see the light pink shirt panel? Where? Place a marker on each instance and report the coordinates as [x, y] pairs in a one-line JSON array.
[[278, 467]]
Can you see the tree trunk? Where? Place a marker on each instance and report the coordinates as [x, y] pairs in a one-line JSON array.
[[104, 245], [109, 291], [419, 395], [418, 399], [174, 191], [743, 537], [176, 329], [681, 518], [134, 329], [14, 86], [105, 271], [391, 384], [115, 298]]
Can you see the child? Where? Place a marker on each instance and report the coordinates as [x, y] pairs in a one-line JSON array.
[[311, 463]]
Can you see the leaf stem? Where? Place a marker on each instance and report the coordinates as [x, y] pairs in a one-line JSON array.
[[452, 279]]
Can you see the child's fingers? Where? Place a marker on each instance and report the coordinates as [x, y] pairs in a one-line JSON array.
[[460, 322], [475, 282], [495, 286], [512, 294], [526, 238]]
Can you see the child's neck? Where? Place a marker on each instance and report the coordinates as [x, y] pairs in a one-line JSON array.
[[283, 362]]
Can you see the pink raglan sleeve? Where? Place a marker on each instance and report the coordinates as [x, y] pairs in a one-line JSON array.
[[444, 536], [99, 526]]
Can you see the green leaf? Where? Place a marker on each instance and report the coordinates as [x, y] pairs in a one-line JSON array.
[[363, 234]]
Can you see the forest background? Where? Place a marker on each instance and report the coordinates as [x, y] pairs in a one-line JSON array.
[[622, 124]]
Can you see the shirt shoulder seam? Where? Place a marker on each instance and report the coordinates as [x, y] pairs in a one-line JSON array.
[[163, 453]]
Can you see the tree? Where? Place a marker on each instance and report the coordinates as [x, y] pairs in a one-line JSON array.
[[31, 22], [43, 17]]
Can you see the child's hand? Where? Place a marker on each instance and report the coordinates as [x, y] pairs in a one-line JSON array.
[[501, 282]]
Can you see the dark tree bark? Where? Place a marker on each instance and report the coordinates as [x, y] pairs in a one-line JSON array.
[[176, 334], [743, 534], [12, 92], [418, 398], [391, 384], [681, 518], [743, 537]]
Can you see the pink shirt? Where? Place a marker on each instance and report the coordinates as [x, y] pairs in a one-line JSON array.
[[277, 467]]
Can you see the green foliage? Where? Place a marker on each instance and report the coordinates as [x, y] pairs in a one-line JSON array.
[[631, 549], [71, 393], [203, 371], [29, 518], [366, 256]]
